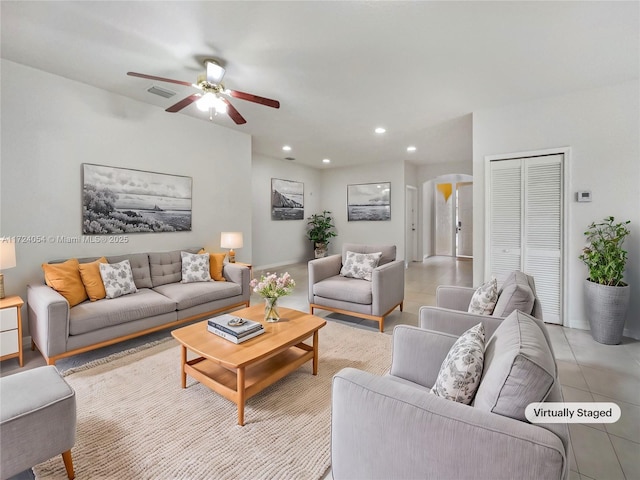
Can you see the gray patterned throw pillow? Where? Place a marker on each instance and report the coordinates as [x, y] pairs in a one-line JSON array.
[[360, 265], [117, 279], [484, 298], [461, 370], [195, 267]]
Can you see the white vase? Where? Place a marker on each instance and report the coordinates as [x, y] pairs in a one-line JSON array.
[[606, 309]]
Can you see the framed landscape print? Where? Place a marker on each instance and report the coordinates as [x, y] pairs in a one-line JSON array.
[[287, 200], [122, 200], [369, 201]]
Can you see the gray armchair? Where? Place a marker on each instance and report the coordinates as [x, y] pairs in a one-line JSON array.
[[518, 292], [372, 300], [392, 427]]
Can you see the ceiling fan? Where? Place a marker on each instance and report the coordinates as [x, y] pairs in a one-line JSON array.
[[211, 98]]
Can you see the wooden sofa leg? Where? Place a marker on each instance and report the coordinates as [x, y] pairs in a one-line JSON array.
[[381, 322], [68, 464]]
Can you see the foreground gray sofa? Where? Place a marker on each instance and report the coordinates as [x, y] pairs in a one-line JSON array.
[[392, 427], [160, 302]]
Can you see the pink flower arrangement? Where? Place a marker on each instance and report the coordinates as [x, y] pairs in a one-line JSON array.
[[273, 286]]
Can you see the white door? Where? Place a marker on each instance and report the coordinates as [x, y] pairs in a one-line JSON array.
[[526, 225], [445, 214], [464, 227], [411, 225]]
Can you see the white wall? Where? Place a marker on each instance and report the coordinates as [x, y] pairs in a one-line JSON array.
[[281, 242], [334, 198], [51, 125], [602, 128]]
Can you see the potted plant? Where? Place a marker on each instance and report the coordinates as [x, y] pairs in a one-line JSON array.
[[606, 295], [320, 230]]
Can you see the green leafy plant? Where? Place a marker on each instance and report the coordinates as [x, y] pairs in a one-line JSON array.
[[320, 227], [604, 255]]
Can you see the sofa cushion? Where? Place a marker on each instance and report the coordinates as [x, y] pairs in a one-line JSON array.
[[90, 275], [139, 263], [195, 267], [461, 369], [360, 265], [519, 368], [90, 316], [187, 295], [515, 294], [483, 301], [345, 289], [166, 267], [388, 251], [117, 279], [65, 279]]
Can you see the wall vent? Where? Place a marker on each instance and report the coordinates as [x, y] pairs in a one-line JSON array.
[[163, 92]]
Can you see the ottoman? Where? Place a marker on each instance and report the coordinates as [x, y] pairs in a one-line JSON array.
[[37, 420]]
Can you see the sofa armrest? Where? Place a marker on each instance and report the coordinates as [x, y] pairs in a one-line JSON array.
[[455, 298], [48, 314], [455, 322], [417, 354], [381, 428], [387, 287], [322, 268], [239, 274]]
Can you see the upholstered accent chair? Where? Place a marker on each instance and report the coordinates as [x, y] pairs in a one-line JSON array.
[[372, 299], [426, 435], [518, 292]]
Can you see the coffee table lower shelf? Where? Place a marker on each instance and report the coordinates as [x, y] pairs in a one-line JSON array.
[[242, 383]]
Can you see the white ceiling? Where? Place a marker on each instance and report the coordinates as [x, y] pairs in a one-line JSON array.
[[339, 68]]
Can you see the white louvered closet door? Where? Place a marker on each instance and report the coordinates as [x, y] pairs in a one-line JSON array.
[[526, 195]]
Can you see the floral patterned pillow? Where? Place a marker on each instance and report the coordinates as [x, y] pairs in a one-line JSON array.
[[195, 267], [484, 298], [117, 279], [461, 370], [360, 265]]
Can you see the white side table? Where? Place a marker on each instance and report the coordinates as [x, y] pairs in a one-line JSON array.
[[11, 328]]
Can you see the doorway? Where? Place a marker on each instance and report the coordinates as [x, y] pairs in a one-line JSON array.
[[411, 225], [453, 215]]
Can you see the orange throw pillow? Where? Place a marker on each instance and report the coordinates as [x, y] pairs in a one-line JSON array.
[[216, 263], [90, 275], [65, 279]]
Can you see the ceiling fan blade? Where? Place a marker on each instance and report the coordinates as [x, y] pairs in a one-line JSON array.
[[183, 103], [254, 98], [160, 79], [233, 113]]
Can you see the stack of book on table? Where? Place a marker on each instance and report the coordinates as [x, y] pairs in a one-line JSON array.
[[234, 329]]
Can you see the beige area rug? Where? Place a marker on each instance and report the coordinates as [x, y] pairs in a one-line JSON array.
[[135, 422]]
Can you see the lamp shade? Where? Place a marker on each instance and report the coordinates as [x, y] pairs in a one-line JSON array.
[[7, 253], [231, 240]]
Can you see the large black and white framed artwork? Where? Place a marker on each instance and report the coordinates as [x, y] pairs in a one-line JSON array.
[[287, 199], [123, 200], [369, 201]]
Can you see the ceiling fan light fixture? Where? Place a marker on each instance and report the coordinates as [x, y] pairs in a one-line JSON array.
[[211, 101]]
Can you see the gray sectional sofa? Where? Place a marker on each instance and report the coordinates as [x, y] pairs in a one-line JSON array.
[[161, 301]]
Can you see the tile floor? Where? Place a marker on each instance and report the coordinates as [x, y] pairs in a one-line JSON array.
[[589, 371]]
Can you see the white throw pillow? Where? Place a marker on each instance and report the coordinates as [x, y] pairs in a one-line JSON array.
[[484, 298], [117, 279], [360, 265], [195, 267], [461, 370]]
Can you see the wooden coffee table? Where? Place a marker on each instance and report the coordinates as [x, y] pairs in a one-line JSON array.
[[238, 372]]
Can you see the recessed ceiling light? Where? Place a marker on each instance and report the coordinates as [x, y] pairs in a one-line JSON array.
[[286, 148], [380, 130], [326, 160], [411, 149]]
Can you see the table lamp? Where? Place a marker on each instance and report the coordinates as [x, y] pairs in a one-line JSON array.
[[231, 240], [7, 259]]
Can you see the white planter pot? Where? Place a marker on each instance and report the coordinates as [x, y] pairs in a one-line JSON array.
[[320, 250], [606, 308]]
